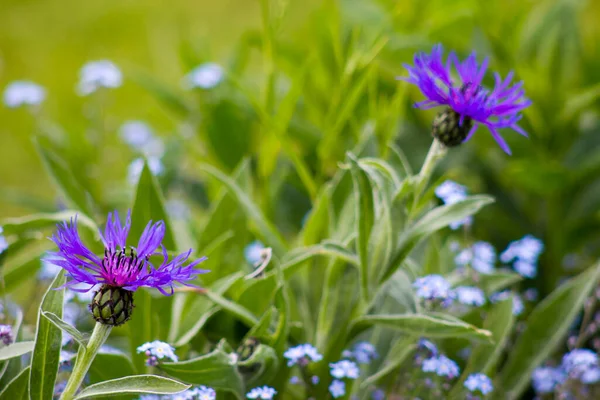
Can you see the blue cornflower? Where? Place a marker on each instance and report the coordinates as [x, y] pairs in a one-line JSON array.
[[6, 334], [364, 352], [204, 76], [479, 382], [99, 74], [451, 192], [3, 242], [468, 103], [481, 256], [525, 253], [470, 295], [23, 93], [579, 361], [344, 369], [157, 350], [433, 287], [253, 252], [302, 355], [546, 379], [265, 393], [337, 389], [442, 366]]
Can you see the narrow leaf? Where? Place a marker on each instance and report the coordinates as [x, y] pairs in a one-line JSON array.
[[15, 350], [137, 384], [17, 388], [65, 327]]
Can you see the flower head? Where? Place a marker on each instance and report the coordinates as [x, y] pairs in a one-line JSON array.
[[546, 379], [470, 295], [433, 287], [468, 104], [344, 369], [157, 350], [264, 392], [204, 76], [525, 254], [337, 388], [136, 133], [442, 366], [6, 334], [302, 355], [99, 74], [254, 252], [451, 192], [579, 361], [121, 267], [479, 382], [364, 352], [481, 256], [23, 93]]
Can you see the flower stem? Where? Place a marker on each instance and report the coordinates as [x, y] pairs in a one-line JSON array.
[[85, 356], [434, 155]]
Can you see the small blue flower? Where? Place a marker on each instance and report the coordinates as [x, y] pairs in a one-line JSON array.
[[294, 380], [378, 394], [546, 379], [99, 74], [265, 393], [337, 389], [314, 380], [442, 366], [481, 256], [426, 344], [253, 252], [590, 376], [23, 93], [528, 249], [479, 382], [302, 355], [525, 269], [157, 350], [344, 369], [451, 192], [205, 393], [470, 295], [204, 76], [3, 242], [364, 352], [531, 294], [433, 287], [6, 334], [136, 133], [579, 361]]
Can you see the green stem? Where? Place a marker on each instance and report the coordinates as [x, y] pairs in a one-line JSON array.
[[85, 356], [434, 155]]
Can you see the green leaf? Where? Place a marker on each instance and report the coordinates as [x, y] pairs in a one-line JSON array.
[[365, 218], [261, 366], [65, 327], [107, 366], [38, 222], [216, 369], [15, 350], [394, 359], [17, 388], [60, 172], [137, 384], [424, 325], [484, 357], [46, 353], [149, 206], [433, 221], [545, 329], [235, 309], [265, 228]]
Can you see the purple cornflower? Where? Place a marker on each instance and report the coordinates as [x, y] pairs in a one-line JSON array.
[[157, 350], [344, 369], [120, 268], [265, 393], [302, 355], [468, 103], [479, 382], [442, 366], [6, 334], [337, 389]]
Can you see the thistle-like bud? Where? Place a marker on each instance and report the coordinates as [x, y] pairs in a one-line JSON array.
[[448, 129], [112, 305]]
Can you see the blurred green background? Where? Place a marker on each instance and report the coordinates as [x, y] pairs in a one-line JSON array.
[[341, 59]]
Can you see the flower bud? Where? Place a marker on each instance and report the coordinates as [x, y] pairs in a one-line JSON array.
[[112, 305], [448, 129]]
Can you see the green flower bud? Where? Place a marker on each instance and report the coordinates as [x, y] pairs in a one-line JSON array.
[[112, 305], [447, 128]]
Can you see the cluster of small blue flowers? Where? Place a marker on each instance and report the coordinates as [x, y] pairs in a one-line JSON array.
[[578, 367], [524, 254], [157, 350], [451, 192], [362, 352], [197, 393], [435, 289], [343, 369], [264, 392], [481, 256], [302, 355]]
